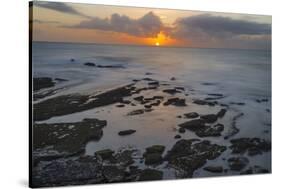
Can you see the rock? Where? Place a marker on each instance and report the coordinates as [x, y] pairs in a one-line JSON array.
[[113, 173], [104, 154], [67, 137], [110, 66], [237, 163], [153, 154], [42, 82], [120, 105], [147, 79], [136, 112], [147, 106], [153, 158], [221, 113], [177, 137], [191, 115], [175, 101], [171, 91], [155, 149], [189, 155], [181, 130], [139, 98], [67, 172], [238, 103], [193, 125], [153, 83], [209, 118], [150, 174], [71, 103], [208, 131], [126, 132], [173, 78], [254, 170], [253, 146], [214, 169], [60, 79], [72, 60], [215, 94], [90, 64], [200, 102], [148, 73]]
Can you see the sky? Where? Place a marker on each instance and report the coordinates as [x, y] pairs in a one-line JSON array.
[[87, 23]]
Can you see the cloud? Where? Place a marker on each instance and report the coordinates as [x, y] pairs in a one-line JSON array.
[[206, 29], [147, 26], [207, 25], [60, 7]]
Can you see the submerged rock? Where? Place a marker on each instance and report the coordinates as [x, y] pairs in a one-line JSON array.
[[191, 115], [104, 154], [171, 91], [255, 170], [253, 146], [221, 113], [175, 101], [150, 174], [126, 132], [214, 169], [42, 82], [136, 112], [209, 118], [237, 163]]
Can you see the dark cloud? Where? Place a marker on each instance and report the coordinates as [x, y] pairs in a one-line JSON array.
[[206, 29], [218, 26], [60, 7], [147, 26]]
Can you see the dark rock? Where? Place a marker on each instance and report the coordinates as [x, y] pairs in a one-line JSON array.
[[208, 83], [120, 105], [254, 170], [67, 137], [209, 118], [193, 125], [189, 155], [214, 169], [71, 103], [153, 83], [42, 82], [136, 112], [238, 103], [171, 91], [200, 102], [104, 154], [153, 158], [191, 115], [139, 98], [208, 131], [215, 94], [150, 174], [234, 130], [173, 78], [155, 149], [147, 106], [175, 101], [147, 79], [60, 79], [181, 130], [253, 146], [237, 163], [113, 173], [110, 66], [221, 113], [177, 137], [90, 64], [126, 132], [148, 73], [72, 60]]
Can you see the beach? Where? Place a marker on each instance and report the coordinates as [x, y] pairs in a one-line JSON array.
[[116, 113]]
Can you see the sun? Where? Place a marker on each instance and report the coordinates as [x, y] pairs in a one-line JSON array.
[[157, 44]]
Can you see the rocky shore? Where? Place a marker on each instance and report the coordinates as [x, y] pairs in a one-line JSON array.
[[59, 156]]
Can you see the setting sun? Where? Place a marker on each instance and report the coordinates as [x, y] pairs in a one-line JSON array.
[[157, 44]]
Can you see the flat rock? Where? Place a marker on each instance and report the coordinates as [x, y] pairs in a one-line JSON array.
[[150, 174], [237, 163], [214, 169], [191, 115], [126, 132]]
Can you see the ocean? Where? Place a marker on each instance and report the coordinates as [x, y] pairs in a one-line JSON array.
[[242, 76]]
